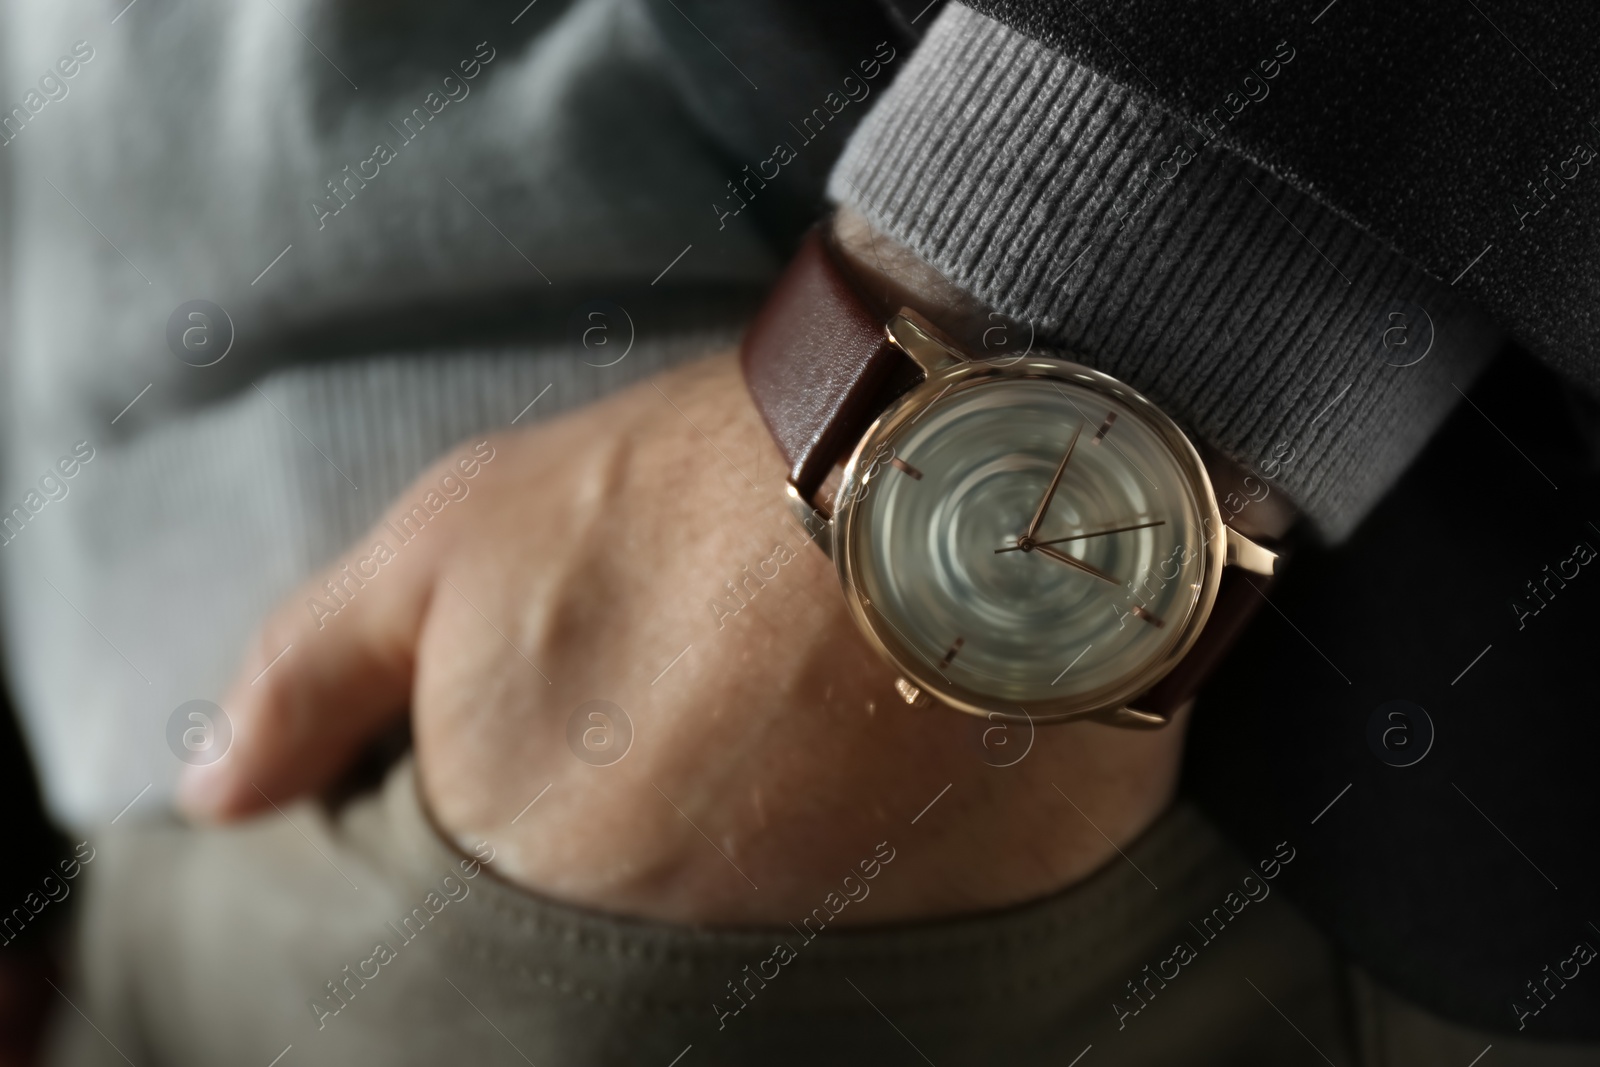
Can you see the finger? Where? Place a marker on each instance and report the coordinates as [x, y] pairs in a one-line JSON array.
[[328, 670]]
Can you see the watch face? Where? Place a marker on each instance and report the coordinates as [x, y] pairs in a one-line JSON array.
[[1029, 540]]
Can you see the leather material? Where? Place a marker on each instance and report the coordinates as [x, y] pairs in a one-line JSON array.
[[819, 365], [1238, 600]]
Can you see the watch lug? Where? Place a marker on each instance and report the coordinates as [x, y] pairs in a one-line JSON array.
[[1133, 717], [920, 339], [1246, 554], [818, 527]]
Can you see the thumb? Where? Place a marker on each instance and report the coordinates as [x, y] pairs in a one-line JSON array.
[[328, 670]]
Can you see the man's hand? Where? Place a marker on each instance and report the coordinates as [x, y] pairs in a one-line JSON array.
[[640, 552]]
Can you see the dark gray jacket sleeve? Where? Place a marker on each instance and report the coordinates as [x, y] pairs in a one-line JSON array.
[[1272, 327]]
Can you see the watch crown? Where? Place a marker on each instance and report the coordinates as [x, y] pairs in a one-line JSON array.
[[911, 694]]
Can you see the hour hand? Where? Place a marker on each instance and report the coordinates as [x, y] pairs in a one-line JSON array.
[[1073, 561], [1044, 505]]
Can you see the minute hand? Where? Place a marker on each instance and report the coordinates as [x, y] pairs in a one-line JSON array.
[[1073, 561], [1044, 505]]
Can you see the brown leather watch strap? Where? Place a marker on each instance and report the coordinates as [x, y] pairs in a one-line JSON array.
[[1235, 606], [819, 365]]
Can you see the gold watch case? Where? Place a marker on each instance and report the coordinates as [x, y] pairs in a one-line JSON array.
[[947, 371]]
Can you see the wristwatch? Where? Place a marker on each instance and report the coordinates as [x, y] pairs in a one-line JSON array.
[[1022, 538]]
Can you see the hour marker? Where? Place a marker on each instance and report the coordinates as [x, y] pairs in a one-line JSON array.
[[905, 468], [950, 653], [1105, 428], [1148, 616]]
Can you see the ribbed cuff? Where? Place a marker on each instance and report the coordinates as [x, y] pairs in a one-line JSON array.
[[1268, 326]]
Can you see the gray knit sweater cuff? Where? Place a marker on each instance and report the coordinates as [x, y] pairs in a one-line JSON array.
[[1271, 328]]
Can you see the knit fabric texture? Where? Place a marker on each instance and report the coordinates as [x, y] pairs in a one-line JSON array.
[[1269, 327]]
